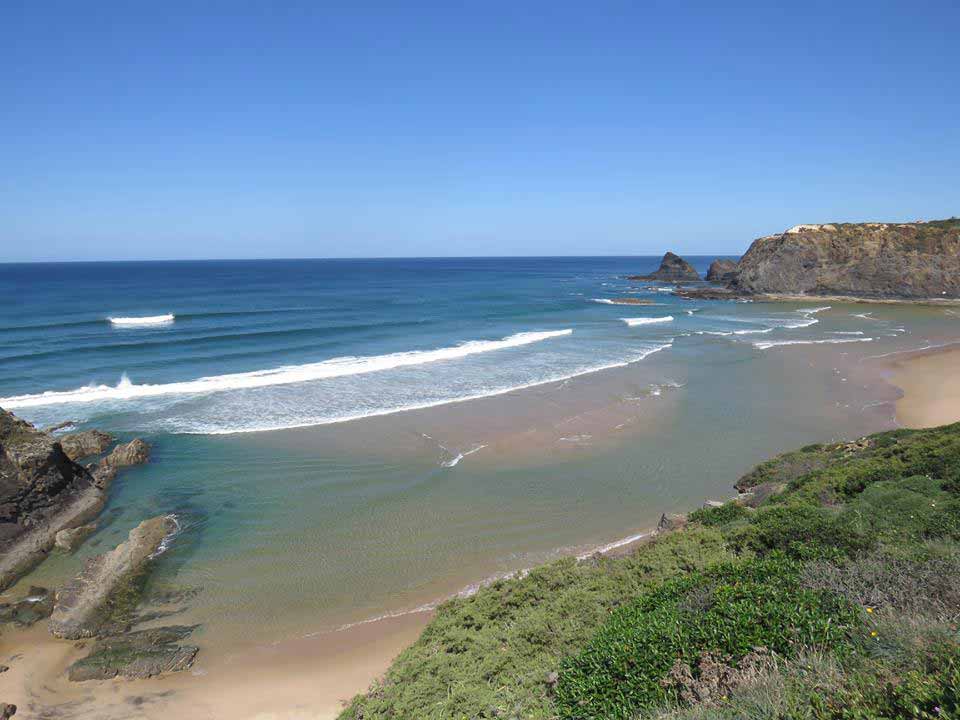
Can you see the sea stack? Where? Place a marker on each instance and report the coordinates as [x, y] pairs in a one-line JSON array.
[[673, 268], [721, 271]]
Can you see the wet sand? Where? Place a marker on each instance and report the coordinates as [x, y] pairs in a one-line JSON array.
[[930, 381], [306, 679]]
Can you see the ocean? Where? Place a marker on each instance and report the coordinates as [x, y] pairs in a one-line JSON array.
[[342, 440]]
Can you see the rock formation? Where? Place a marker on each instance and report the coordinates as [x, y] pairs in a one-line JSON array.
[[83, 444], [910, 261], [135, 655], [135, 452], [721, 271], [68, 540], [77, 611], [42, 491], [673, 268]]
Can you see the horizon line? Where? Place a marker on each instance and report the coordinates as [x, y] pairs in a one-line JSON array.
[[353, 258]]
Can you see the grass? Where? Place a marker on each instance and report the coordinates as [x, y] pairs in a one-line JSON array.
[[835, 597]]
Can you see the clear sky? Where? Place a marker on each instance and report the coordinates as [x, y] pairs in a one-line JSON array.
[[204, 129]]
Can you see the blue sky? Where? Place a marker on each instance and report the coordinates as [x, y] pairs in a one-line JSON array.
[[135, 130]]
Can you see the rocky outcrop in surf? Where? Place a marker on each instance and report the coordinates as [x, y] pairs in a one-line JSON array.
[[135, 452], [721, 271], [673, 268], [907, 261], [78, 612], [80, 445]]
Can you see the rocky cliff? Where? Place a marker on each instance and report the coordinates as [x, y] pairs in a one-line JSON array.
[[721, 271], [911, 261], [673, 268]]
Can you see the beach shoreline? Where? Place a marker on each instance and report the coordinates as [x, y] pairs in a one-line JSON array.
[[929, 380]]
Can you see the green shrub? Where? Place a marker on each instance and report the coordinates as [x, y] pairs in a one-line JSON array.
[[803, 531], [716, 516], [727, 611]]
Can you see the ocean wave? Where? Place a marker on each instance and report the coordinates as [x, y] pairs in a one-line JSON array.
[[286, 375], [647, 321], [350, 417], [142, 321], [766, 345]]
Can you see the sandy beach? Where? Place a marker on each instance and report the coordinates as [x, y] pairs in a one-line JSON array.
[[930, 381]]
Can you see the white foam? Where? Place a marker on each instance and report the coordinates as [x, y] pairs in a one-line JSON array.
[[846, 332], [608, 301], [453, 462], [813, 311], [336, 367], [142, 321], [833, 341], [647, 321]]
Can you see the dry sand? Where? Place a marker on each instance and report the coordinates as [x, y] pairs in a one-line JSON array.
[[930, 381]]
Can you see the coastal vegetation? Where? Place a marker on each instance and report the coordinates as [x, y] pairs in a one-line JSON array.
[[827, 589]]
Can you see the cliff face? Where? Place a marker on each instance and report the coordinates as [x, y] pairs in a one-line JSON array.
[[875, 260]]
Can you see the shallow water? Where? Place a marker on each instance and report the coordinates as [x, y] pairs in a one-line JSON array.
[[314, 522]]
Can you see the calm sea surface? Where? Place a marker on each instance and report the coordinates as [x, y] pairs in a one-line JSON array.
[[347, 438]]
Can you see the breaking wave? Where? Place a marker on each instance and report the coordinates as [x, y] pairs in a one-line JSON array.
[[647, 321], [336, 367], [142, 321]]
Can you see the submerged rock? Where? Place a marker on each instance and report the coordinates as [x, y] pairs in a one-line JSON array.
[[42, 491], [139, 654], [7, 711], [69, 540], [83, 444], [135, 452], [80, 606], [673, 268], [37, 605], [721, 271]]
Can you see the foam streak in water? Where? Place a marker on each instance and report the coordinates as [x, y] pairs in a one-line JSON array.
[[336, 367]]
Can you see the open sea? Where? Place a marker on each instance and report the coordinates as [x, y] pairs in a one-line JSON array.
[[346, 439]]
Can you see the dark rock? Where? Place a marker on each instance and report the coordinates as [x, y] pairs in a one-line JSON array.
[[671, 522], [919, 261], [139, 654], [84, 444], [709, 293], [66, 424], [721, 271], [4, 668], [7, 711], [135, 452], [673, 268], [42, 491]]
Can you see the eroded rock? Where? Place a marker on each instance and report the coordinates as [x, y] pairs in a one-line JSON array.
[[674, 521], [79, 608], [135, 452], [83, 444], [139, 654], [673, 268], [721, 271], [69, 540]]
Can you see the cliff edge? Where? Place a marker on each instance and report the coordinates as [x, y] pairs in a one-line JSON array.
[[908, 261]]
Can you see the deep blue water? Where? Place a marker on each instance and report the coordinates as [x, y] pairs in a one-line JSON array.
[[242, 317]]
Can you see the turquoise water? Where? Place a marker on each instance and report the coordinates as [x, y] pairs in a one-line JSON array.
[[344, 439]]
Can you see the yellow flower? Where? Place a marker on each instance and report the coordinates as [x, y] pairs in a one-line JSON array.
[[869, 610], [873, 633]]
